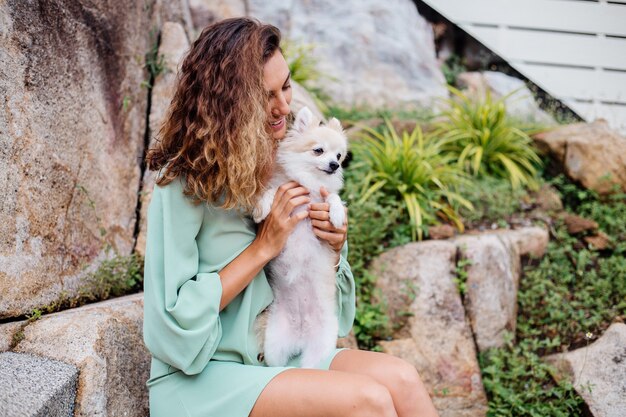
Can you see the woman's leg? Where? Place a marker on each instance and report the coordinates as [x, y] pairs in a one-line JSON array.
[[317, 393], [401, 379]]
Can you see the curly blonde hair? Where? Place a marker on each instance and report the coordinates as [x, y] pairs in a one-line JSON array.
[[215, 133]]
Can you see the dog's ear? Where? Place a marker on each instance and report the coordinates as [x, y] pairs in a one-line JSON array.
[[304, 118], [334, 124]]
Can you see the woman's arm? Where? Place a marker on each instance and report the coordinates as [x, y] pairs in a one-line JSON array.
[[270, 240]]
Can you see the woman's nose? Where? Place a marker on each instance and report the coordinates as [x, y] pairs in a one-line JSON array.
[[281, 106]]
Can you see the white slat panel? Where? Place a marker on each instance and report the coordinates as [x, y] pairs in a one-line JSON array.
[[552, 48], [577, 83], [560, 15], [614, 114]]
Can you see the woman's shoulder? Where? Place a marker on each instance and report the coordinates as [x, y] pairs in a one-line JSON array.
[[173, 195]]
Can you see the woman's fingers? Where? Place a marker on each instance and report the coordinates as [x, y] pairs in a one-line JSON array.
[[328, 226], [336, 240], [285, 194]]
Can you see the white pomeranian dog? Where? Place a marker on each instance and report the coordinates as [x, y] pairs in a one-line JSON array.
[[303, 318]]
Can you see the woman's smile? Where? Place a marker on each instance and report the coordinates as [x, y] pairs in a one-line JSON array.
[[278, 124]]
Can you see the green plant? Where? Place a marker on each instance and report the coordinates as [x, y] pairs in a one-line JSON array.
[[153, 61], [452, 67], [484, 141], [414, 169], [114, 277], [518, 383], [460, 274], [303, 69]]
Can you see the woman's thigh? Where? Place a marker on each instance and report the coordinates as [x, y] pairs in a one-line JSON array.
[[321, 393]]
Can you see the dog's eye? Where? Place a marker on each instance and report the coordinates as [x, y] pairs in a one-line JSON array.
[[318, 151], [338, 156]]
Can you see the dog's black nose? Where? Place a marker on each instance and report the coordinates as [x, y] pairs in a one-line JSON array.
[[333, 166]]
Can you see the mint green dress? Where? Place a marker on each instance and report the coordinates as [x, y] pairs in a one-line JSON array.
[[206, 362]]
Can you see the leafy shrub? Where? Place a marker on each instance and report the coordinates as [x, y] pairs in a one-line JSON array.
[[519, 384], [413, 169], [484, 141]]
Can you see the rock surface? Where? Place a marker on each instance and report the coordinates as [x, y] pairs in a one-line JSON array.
[[417, 283], [205, 12], [491, 288], [104, 341], [379, 54], [598, 372], [71, 134], [174, 44], [31, 386], [576, 224], [530, 241], [591, 154]]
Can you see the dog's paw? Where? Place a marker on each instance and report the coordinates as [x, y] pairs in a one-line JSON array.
[[337, 211], [257, 214], [263, 207]]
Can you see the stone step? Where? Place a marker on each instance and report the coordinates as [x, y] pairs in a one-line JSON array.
[[104, 341], [33, 386]]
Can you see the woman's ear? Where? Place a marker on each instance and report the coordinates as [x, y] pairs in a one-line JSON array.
[[304, 118]]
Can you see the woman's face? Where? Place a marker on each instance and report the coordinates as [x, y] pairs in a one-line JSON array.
[[277, 82]]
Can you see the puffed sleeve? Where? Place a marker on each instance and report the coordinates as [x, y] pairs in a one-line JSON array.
[[181, 305], [346, 296]]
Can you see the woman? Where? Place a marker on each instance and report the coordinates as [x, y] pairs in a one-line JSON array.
[[204, 280]]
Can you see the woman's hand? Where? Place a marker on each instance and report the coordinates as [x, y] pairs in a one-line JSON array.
[[278, 225], [323, 228]]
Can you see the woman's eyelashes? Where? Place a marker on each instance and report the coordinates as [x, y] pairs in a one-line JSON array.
[[286, 87]]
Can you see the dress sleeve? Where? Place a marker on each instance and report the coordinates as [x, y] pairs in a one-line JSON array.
[[346, 297], [181, 305]]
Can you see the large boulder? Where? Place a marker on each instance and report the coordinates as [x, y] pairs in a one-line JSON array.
[[381, 54], [598, 372], [590, 153], [492, 279], [417, 282], [491, 288], [105, 342], [72, 133]]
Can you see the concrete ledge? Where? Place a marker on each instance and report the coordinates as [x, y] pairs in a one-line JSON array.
[[32, 386]]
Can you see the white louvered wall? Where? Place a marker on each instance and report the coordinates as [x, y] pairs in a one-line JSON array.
[[573, 49]]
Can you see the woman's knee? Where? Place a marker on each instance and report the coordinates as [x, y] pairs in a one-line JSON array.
[[373, 399]]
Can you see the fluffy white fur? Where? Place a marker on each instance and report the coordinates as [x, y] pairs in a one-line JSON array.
[[303, 319]]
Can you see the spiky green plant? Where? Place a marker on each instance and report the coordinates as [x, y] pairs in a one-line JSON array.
[[485, 142], [413, 168]]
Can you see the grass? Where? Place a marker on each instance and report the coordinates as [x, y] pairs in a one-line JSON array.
[[360, 113]]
